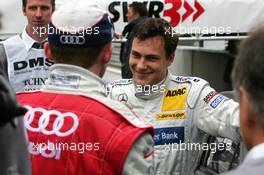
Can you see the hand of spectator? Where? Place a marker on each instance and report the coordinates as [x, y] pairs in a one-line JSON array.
[[117, 35]]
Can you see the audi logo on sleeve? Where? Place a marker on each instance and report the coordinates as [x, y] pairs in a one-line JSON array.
[[58, 126], [69, 39]]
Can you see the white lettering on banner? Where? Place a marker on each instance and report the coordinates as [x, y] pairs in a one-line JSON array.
[[173, 135], [44, 120]]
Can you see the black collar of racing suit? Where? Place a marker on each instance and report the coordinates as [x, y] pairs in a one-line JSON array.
[[146, 92]]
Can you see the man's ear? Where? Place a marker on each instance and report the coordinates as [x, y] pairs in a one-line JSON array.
[[137, 15], [250, 124], [24, 10], [247, 117], [107, 53], [47, 50], [170, 59]]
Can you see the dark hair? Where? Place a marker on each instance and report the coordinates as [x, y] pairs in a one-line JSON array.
[[248, 71], [139, 8], [84, 57], [152, 27], [24, 3]]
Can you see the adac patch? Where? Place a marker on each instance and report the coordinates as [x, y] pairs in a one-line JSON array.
[[170, 116], [169, 135], [174, 99], [217, 101]]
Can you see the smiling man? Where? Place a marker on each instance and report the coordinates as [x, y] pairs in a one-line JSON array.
[[22, 55], [181, 109]]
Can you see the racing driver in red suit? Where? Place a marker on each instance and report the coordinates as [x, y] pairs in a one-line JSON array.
[[73, 128]]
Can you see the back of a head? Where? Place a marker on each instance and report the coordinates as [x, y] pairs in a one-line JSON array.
[[78, 32], [140, 8], [248, 70], [152, 27]]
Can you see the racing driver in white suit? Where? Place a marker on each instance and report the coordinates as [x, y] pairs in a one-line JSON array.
[[183, 110]]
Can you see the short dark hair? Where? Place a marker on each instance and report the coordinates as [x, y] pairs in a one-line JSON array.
[[140, 8], [24, 3], [152, 27], [248, 71], [84, 57]]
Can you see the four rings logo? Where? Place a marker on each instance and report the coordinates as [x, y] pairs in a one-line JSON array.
[[58, 128], [67, 39]]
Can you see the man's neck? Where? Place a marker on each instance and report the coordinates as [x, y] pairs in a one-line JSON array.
[[258, 136], [35, 33]]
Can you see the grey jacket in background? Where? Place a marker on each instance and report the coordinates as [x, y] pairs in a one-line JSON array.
[[252, 167], [13, 150], [14, 155]]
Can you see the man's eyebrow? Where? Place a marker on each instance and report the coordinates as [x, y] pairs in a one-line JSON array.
[[135, 52], [149, 55], [152, 55]]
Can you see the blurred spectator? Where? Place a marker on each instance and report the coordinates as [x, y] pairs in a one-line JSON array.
[[13, 150], [248, 80], [136, 13], [23, 55]]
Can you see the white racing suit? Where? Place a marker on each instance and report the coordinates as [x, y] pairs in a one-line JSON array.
[[182, 110], [70, 79]]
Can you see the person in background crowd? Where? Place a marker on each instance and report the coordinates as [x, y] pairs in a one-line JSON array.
[[136, 13], [181, 109], [248, 81], [99, 135], [22, 55], [13, 149]]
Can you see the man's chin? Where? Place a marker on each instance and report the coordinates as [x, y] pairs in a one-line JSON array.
[[141, 82], [40, 25]]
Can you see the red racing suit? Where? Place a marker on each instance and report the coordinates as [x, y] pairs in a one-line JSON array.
[[72, 134]]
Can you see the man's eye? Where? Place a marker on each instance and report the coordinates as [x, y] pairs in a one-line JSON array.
[[32, 8], [135, 55], [45, 8], [152, 58]]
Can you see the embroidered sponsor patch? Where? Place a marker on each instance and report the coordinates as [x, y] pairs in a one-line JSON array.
[[170, 116], [174, 99], [184, 79], [123, 97], [169, 135], [217, 101], [210, 96], [65, 81], [121, 82]]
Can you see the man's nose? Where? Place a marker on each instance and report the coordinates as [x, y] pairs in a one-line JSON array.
[[38, 13], [142, 63]]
